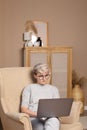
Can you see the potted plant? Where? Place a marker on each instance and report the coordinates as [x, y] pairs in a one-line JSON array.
[[77, 84], [77, 80]]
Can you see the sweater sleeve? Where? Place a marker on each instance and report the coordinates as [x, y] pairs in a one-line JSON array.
[[26, 97]]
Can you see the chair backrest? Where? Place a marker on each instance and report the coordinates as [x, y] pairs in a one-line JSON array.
[[12, 82]]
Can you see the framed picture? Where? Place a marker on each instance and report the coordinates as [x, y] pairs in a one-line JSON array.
[[42, 29]]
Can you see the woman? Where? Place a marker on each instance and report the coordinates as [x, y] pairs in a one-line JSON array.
[[40, 90]]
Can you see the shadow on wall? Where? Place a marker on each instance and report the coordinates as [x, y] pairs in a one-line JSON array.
[[1, 126]]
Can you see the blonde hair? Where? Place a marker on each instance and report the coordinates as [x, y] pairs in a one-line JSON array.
[[29, 26], [40, 68]]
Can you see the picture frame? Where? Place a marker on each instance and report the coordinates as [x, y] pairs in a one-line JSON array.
[[42, 29]]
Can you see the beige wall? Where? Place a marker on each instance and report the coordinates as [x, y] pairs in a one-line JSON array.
[[67, 20]]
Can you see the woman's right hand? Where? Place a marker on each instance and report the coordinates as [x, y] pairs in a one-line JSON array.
[[28, 111]]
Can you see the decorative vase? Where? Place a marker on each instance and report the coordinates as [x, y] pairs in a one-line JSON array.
[[78, 95]]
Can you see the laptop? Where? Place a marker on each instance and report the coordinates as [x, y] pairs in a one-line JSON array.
[[56, 107]]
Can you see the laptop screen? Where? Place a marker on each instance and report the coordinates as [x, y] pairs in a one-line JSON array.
[[54, 107]]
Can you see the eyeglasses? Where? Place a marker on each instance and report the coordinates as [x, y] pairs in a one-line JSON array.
[[47, 76]]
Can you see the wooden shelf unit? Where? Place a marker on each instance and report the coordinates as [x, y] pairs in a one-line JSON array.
[[60, 62]]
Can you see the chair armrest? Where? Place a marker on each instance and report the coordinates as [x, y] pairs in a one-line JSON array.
[[17, 121], [14, 121], [74, 113], [76, 110], [17, 116], [66, 120]]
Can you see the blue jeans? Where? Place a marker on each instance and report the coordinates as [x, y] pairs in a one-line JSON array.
[[48, 124]]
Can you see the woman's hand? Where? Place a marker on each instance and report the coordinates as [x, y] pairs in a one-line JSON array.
[[28, 111]]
